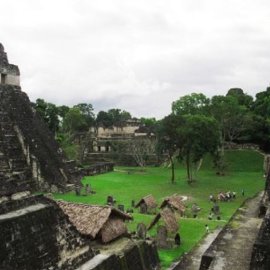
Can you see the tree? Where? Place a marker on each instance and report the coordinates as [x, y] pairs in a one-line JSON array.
[[114, 117], [41, 106], [52, 117], [261, 105], [231, 116], [74, 121], [118, 116], [104, 119], [195, 103], [242, 98], [87, 111], [49, 113], [140, 149], [168, 138], [199, 135], [62, 111]]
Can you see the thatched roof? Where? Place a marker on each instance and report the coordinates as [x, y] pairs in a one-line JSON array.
[[175, 201], [149, 200], [91, 219], [169, 219], [113, 228]]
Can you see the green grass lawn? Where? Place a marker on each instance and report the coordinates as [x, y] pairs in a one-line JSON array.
[[244, 172]]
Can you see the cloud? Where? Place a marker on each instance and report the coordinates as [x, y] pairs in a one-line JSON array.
[[136, 55]]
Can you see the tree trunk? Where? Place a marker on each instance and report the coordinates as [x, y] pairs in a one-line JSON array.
[[172, 166], [188, 168]]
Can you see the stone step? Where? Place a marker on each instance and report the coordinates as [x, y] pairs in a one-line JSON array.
[[3, 164], [17, 164], [24, 211]]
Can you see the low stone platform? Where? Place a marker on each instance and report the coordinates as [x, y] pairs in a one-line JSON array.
[[36, 235]]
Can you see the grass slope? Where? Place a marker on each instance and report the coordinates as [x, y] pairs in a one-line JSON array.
[[126, 184]]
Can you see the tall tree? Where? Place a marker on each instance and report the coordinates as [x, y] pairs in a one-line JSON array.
[[199, 135], [261, 120], [104, 119], [195, 103], [230, 115], [87, 111], [49, 113], [74, 121], [114, 117], [168, 138], [242, 98]]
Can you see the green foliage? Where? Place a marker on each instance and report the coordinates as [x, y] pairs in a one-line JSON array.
[[261, 105], [87, 111], [62, 111], [150, 123], [74, 121], [242, 98], [114, 117], [190, 137], [49, 113], [231, 116], [199, 135], [168, 138], [195, 103]]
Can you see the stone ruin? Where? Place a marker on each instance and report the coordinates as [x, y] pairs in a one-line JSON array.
[[9, 74], [35, 233], [30, 158], [260, 259]]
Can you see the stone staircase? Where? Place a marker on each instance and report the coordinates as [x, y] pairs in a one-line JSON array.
[[14, 170]]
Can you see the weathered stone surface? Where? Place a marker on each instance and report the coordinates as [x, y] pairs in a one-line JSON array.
[[30, 158], [260, 259], [9, 74], [132, 255], [35, 234]]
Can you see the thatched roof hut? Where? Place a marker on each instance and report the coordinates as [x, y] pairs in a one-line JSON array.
[[167, 215], [174, 202], [98, 222], [146, 203]]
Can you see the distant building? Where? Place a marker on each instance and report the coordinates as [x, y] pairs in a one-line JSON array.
[[129, 130], [9, 74], [116, 144]]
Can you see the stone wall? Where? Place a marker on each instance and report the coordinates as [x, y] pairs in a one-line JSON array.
[[120, 159], [28, 148], [241, 146], [99, 168], [260, 259], [35, 234]]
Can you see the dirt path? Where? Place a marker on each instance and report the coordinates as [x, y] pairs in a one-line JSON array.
[[233, 246]]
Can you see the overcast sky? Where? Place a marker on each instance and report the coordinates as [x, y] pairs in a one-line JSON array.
[[137, 55]]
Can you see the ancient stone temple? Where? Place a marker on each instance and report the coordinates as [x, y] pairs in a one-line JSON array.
[[30, 158], [35, 233], [9, 74]]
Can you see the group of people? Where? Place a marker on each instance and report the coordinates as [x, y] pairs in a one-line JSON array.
[[223, 196]]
